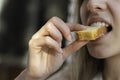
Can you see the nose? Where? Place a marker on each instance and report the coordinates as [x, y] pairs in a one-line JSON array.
[[96, 5]]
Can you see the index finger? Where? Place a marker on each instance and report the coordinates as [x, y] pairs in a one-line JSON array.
[[66, 28], [62, 27]]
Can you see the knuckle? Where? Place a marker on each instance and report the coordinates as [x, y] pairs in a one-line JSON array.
[[33, 41], [54, 18], [48, 23], [35, 37], [48, 26], [48, 40]]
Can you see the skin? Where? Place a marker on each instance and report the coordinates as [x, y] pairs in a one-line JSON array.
[[46, 55], [106, 47]]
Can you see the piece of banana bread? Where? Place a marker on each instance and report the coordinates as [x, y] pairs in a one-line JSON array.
[[91, 33]]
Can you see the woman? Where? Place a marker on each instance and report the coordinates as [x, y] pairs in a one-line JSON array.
[[102, 58]]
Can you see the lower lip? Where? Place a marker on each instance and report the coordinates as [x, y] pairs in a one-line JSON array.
[[100, 39]]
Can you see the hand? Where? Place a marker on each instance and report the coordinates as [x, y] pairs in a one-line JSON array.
[[46, 55]]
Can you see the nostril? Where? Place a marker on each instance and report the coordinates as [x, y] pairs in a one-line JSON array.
[[96, 6]]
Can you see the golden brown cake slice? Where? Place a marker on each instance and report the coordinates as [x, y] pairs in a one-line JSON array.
[[91, 33]]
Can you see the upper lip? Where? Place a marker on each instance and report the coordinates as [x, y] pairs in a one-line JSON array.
[[96, 19]]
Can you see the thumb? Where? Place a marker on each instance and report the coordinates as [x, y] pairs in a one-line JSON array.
[[73, 47]]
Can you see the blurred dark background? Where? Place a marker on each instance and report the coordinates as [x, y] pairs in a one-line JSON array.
[[19, 20]]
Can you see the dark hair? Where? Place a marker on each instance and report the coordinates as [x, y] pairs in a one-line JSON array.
[[90, 66]]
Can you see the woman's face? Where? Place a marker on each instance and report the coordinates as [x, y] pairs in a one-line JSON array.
[[103, 12]]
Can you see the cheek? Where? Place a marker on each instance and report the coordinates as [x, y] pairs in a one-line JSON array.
[[83, 15]]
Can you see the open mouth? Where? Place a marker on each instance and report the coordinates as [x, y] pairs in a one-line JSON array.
[[97, 24], [109, 28]]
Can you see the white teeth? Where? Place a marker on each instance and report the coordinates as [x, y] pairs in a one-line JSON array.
[[99, 24], [106, 25], [103, 24]]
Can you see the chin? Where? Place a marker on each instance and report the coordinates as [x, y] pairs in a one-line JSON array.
[[98, 53]]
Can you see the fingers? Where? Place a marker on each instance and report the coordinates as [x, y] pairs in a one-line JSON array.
[[62, 27], [51, 34], [73, 47], [46, 41], [66, 28], [51, 30], [55, 28]]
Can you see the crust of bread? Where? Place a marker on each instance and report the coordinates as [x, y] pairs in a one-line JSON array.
[[91, 33]]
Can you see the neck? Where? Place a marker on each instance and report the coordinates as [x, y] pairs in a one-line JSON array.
[[112, 68]]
